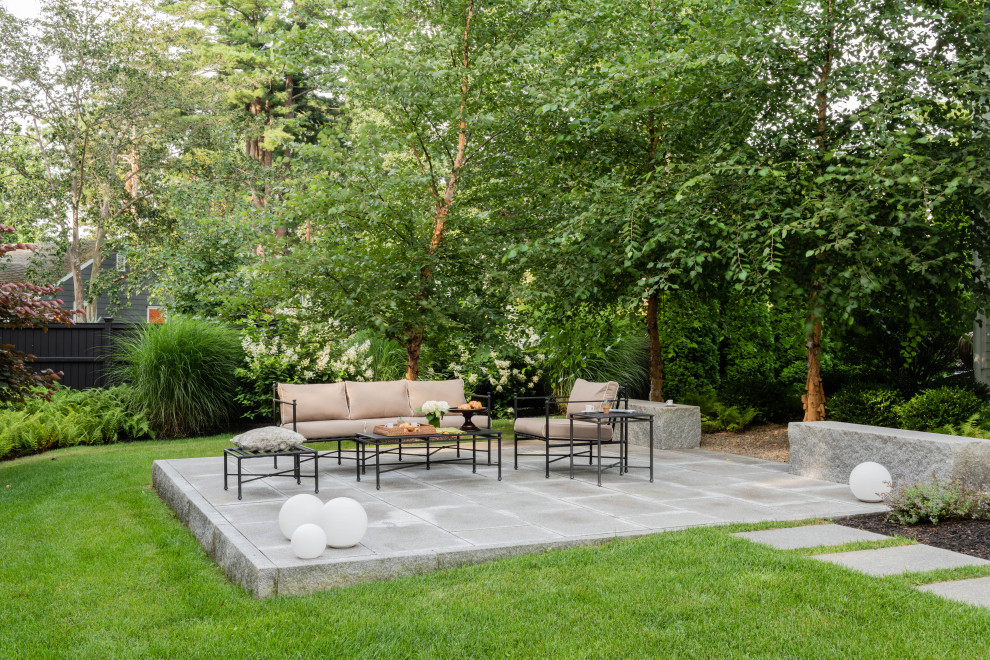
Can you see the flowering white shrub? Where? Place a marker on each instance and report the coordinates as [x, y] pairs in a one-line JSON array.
[[290, 349]]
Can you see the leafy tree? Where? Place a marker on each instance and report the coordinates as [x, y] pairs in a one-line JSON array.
[[873, 128], [627, 129], [399, 243], [254, 52], [84, 93]]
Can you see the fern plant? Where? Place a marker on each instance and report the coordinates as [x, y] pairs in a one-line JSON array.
[[70, 418]]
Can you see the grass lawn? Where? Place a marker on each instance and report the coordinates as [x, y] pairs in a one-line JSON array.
[[95, 565]]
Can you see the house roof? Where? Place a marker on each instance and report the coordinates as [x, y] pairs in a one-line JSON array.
[[20, 265]]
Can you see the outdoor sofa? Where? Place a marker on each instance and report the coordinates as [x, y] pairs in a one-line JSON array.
[[337, 412], [536, 418]]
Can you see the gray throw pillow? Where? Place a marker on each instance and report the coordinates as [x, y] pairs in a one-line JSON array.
[[268, 438]]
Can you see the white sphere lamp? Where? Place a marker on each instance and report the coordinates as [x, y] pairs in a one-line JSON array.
[[309, 541], [870, 481], [345, 522], [299, 510]]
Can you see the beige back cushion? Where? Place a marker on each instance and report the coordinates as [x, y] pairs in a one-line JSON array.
[[421, 391], [314, 402], [585, 392], [382, 399]]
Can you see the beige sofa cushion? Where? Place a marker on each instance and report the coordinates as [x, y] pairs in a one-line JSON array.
[[585, 392], [421, 391], [335, 428], [315, 402], [378, 399], [560, 429]]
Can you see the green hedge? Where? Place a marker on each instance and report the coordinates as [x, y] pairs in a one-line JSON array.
[[875, 406], [935, 408]]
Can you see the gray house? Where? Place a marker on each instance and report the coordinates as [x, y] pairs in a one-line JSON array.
[[42, 266], [133, 309]]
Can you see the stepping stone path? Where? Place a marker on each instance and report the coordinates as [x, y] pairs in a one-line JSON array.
[[881, 561]]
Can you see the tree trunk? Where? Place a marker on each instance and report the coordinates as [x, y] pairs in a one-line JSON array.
[[814, 397], [443, 204], [656, 357], [413, 348], [92, 299]]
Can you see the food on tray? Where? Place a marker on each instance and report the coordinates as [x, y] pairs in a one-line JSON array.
[[476, 405], [471, 405]]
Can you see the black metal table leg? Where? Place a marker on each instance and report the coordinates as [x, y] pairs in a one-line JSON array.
[[651, 449], [474, 453], [378, 466], [359, 458], [225, 470], [499, 455], [238, 477], [599, 453], [570, 453]]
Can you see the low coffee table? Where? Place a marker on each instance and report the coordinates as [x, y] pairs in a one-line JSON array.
[[434, 442]]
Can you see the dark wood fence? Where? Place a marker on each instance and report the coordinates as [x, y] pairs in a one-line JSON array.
[[82, 351]]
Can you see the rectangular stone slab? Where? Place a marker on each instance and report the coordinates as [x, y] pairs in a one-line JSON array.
[[674, 427], [810, 536], [974, 592], [830, 451], [902, 559]]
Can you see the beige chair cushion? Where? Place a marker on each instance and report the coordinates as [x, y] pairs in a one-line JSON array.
[[421, 391], [378, 399], [560, 429], [335, 428], [316, 402], [585, 392]]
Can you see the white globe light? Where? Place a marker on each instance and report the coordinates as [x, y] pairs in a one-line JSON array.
[[868, 481], [345, 521], [309, 541], [299, 510]]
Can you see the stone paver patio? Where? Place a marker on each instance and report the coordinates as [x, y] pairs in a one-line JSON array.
[[427, 520]]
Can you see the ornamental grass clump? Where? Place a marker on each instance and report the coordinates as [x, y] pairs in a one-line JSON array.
[[182, 372]]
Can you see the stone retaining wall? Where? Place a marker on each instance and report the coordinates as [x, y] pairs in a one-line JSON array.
[[674, 427], [830, 450]]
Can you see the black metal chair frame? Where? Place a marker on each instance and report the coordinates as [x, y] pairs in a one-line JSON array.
[[299, 455], [550, 406], [349, 453]]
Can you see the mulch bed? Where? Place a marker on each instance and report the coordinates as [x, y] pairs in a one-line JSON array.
[[768, 442], [969, 537]]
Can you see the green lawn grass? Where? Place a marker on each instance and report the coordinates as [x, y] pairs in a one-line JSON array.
[[95, 565]]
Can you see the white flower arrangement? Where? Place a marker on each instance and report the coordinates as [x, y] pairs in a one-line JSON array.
[[435, 407], [434, 411]]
